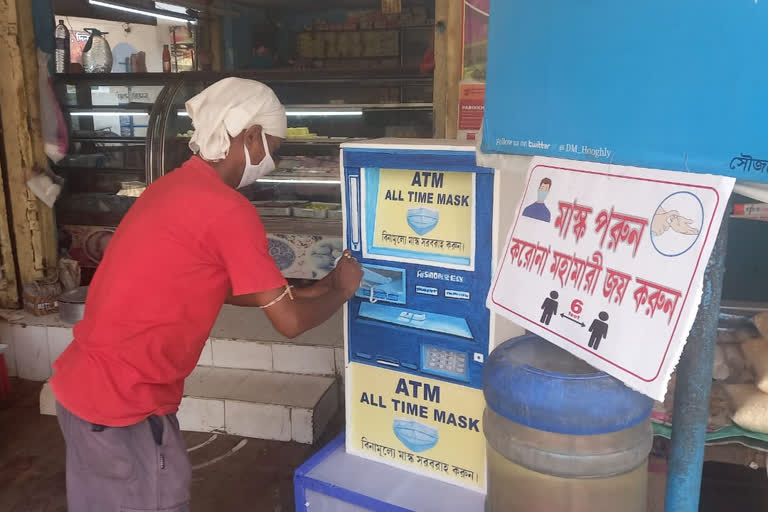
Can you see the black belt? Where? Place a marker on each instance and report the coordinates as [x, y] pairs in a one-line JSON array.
[[155, 424]]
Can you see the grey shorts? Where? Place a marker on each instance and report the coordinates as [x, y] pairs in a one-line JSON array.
[[143, 467]]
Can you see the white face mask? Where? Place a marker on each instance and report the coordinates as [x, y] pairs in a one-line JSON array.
[[254, 172]]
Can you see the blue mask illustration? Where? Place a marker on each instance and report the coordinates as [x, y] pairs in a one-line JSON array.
[[371, 278], [542, 194], [423, 220], [416, 436]]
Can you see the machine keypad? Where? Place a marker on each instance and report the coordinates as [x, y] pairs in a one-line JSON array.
[[445, 361]]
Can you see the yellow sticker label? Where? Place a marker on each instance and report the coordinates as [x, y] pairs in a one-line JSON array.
[[419, 424], [425, 212]]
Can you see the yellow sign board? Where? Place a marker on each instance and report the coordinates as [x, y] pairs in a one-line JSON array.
[[425, 213], [422, 425]]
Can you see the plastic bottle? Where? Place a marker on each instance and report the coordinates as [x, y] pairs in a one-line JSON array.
[[166, 59], [62, 48]]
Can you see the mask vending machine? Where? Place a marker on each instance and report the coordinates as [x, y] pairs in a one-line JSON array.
[[423, 219]]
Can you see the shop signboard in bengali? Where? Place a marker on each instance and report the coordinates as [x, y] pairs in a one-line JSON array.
[[630, 84], [471, 109], [607, 262]]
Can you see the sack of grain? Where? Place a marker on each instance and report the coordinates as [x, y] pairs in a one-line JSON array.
[[761, 322], [756, 356], [749, 406]]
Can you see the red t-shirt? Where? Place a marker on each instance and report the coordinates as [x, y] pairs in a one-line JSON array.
[[184, 245]]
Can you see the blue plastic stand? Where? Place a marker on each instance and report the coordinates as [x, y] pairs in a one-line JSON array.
[[334, 481]]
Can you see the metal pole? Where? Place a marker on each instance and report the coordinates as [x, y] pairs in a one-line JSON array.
[[694, 382]]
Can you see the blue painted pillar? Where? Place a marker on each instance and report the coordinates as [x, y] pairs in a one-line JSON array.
[[694, 382]]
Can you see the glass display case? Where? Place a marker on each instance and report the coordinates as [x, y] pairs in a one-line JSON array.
[[128, 130], [109, 119], [108, 126]]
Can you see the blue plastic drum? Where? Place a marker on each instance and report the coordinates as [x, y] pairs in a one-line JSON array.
[[560, 434], [537, 384]]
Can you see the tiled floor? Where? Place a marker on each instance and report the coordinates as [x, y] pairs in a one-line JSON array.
[[229, 476], [257, 476]]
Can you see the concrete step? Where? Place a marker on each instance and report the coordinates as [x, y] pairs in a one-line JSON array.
[[250, 403], [242, 338]]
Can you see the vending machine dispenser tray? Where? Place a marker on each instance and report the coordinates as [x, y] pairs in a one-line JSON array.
[[434, 322], [382, 283]]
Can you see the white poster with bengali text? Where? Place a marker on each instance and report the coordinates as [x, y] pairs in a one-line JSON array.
[[607, 262]]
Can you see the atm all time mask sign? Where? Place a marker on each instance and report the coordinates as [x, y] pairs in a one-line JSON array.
[[607, 262], [424, 425], [423, 215]]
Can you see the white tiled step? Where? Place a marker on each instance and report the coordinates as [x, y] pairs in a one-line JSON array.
[[280, 357], [242, 338], [250, 403]]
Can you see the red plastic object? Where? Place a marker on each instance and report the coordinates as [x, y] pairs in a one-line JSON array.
[[5, 381]]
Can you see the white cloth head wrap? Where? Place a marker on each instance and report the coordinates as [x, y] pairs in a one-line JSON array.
[[228, 107]]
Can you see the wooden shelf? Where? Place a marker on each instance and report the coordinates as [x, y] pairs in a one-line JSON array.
[[372, 29], [267, 76], [138, 141]]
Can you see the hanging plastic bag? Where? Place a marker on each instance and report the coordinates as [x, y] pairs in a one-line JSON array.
[[45, 187], [69, 274], [55, 136]]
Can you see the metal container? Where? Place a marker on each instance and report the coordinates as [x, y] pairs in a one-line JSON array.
[[97, 55], [72, 305], [315, 210], [276, 208]]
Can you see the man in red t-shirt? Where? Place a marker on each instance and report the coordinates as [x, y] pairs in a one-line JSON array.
[[189, 244]]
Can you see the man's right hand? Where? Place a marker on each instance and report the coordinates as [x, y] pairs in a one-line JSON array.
[[347, 275], [308, 309]]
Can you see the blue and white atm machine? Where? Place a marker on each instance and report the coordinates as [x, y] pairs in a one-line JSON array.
[[424, 220]]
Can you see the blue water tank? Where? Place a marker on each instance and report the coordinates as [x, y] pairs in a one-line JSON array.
[[560, 434], [537, 384]]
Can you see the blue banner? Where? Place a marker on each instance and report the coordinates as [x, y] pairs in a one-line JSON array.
[[669, 85]]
